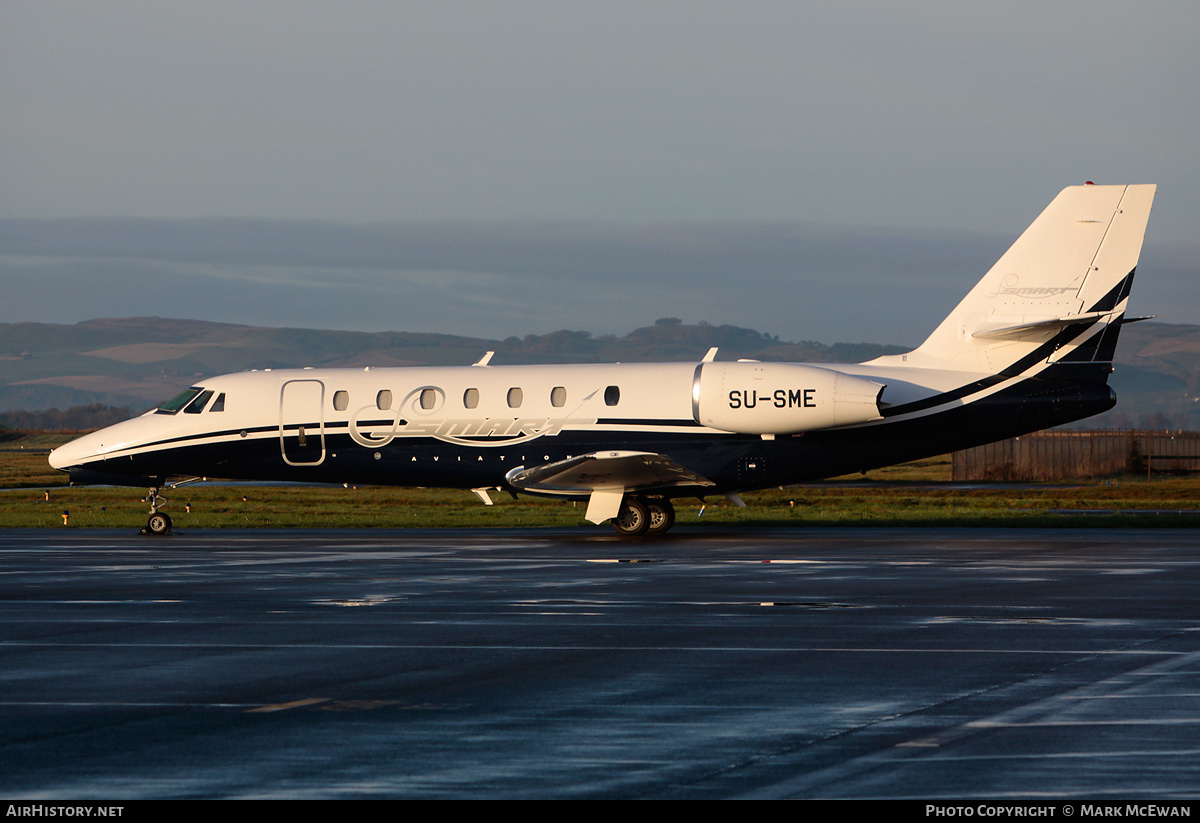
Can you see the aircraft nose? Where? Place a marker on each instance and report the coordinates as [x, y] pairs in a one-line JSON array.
[[69, 454], [98, 444]]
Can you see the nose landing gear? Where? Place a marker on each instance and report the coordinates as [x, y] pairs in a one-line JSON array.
[[158, 524]]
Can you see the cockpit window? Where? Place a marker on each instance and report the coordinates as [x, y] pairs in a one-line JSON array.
[[179, 401], [197, 405], [218, 404]]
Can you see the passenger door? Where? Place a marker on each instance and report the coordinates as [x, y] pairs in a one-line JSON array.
[[302, 422]]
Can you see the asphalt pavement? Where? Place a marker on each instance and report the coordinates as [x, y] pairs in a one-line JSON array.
[[924, 664]]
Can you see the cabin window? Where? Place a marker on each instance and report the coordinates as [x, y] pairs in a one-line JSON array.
[[471, 398], [218, 404], [383, 400], [515, 396], [612, 396], [558, 397], [341, 400], [179, 401], [428, 399]]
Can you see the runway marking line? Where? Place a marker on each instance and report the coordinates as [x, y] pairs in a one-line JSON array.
[[295, 704]]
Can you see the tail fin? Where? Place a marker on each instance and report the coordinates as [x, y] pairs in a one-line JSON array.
[[1057, 295]]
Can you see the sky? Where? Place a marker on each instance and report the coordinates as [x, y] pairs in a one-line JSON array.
[[840, 171]]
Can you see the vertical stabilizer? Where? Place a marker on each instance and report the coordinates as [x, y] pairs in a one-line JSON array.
[[1059, 291]]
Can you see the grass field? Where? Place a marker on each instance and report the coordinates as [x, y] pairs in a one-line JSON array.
[[914, 494]]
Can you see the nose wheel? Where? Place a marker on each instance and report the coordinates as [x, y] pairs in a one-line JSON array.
[[158, 523]]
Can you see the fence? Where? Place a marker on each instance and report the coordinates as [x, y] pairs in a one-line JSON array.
[[1059, 455]]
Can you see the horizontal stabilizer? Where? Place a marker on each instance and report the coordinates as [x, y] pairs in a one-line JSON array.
[[1041, 328]]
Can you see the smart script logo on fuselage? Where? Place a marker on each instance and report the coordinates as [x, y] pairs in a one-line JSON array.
[[480, 432], [409, 418]]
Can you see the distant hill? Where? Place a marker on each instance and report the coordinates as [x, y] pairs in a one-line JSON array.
[[1157, 377], [136, 362]]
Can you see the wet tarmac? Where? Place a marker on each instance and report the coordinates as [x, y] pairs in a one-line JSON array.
[[924, 664]]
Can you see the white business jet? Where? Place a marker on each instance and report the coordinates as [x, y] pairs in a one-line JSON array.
[[1031, 346]]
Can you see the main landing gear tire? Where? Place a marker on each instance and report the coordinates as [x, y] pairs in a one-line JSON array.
[[639, 517], [662, 516], [158, 524], [633, 519]]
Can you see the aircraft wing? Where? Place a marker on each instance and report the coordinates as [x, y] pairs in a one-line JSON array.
[[606, 477]]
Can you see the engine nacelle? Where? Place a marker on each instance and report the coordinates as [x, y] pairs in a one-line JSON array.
[[780, 398]]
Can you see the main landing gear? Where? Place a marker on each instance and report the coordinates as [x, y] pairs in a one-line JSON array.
[[159, 523], [648, 516]]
